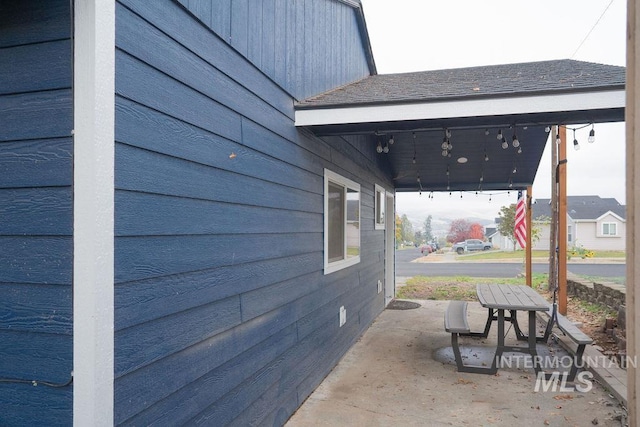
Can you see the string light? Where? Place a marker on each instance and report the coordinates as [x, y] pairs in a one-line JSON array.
[[391, 140], [505, 144], [386, 148], [515, 141], [592, 135], [414, 148], [499, 135], [379, 147], [576, 146]]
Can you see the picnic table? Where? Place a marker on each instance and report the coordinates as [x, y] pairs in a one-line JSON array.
[[498, 299]]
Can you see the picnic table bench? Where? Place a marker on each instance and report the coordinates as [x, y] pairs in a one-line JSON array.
[[570, 330]]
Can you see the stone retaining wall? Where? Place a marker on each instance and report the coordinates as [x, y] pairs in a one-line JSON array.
[[611, 295]]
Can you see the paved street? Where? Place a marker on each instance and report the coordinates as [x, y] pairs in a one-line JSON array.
[[406, 268]]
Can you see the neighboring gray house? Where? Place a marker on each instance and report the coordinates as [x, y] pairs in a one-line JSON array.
[[593, 223]]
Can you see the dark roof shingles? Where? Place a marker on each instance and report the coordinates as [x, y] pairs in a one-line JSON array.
[[582, 207], [507, 79]]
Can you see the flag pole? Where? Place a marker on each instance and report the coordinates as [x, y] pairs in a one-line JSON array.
[[528, 259]]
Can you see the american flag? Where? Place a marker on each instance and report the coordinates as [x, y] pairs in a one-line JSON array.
[[520, 223]]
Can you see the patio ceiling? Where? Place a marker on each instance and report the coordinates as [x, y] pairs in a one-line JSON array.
[[474, 104]]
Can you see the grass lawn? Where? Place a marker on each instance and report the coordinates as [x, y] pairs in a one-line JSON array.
[[488, 255], [457, 287]]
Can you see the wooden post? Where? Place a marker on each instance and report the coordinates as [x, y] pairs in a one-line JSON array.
[[528, 249], [562, 221], [553, 226], [632, 119]]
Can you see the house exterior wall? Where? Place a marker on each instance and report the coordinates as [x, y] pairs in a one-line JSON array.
[[307, 47], [587, 234], [590, 235], [544, 241], [36, 218], [222, 310]]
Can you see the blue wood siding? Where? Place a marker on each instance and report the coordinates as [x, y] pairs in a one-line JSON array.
[[223, 313], [36, 322], [306, 46]]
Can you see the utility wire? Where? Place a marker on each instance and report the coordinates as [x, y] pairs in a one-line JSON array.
[[591, 30]]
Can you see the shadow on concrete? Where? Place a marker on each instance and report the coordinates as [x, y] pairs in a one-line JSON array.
[[402, 373]]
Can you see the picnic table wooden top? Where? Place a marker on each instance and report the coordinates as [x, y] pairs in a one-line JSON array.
[[510, 297]]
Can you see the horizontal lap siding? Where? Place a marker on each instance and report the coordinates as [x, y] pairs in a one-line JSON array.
[[220, 292], [36, 321], [306, 46]]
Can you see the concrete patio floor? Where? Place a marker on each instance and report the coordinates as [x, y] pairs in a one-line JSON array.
[[402, 373]]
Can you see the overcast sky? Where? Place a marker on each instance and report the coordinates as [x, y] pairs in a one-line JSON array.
[[418, 35]]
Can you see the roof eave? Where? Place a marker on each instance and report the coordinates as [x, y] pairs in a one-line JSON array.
[[467, 107]]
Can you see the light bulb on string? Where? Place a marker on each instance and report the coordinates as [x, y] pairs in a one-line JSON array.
[[576, 145], [486, 156], [558, 139], [379, 148], [505, 144], [386, 148], [515, 141], [499, 135], [391, 140], [445, 143], [547, 129], [519, 150], [515, 170], [447, 133], [592, 135], [486, 132], [444, 153], [461, 194]]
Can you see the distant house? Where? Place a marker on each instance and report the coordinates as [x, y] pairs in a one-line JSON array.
[[593, 223], [492, 234]]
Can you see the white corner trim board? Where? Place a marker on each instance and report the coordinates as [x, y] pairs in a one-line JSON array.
[[93, 212]]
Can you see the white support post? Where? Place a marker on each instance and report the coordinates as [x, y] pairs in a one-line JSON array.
[[93, 212]]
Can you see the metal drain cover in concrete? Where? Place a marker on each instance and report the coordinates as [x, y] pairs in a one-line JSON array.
[[402, 305]]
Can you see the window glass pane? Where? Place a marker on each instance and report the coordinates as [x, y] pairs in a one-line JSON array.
[[336, 222], [612, 229], [379, 207], [353, 223]]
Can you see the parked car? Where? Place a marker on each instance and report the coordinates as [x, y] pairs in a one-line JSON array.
[[471, 245], [426, 249]]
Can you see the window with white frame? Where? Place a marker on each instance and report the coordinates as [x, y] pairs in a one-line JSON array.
[[609, 229], [379, 209], [569, 233], [341, 222]]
